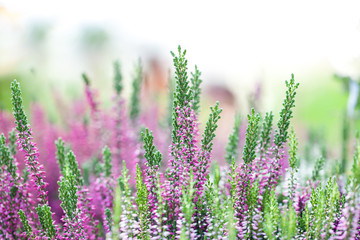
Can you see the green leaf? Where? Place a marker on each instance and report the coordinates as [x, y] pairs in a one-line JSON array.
[[46, 221], [107, 161], [135, 95], [286, 113], [152, 155], [25, 222], [252, 133], [232, 150]]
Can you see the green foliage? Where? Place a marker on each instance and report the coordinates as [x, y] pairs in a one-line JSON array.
[[272, 216], [281, 134], [214, 207], [319, 165], [231, 224], [344, 146], [86, 79], [67, 194], [116, 210], [293, 145], [135, 95], [124, 180], [216, 174], [324, 207], [107, 161], [60, 154], [265, 135], [108, 218], [69, 184], [72, 168], [182, 96], [288, 223], [21, 120], [356, 163], [126, 205], [187, 206], [152, 155], [25, 222], [12, 142], [195, 89], [233, 180], [252, 202], [142, 204], [46, 221], [252, 130], [161, 204], [210, 127], [118, 79], [332, 197], [171, 98], [6, 159], [233, 143]]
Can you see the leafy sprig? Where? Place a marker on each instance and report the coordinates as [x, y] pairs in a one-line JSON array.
[[286, 113], [252, 130], [232, 151], [210, 127], [46, 221], [107, 161], [142, 204], [6, 158], [60, 154], [195, 89], [152, 155], [135, 95], [118, 84], [265, 135]]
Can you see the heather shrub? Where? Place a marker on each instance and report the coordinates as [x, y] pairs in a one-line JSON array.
[[127, 174]]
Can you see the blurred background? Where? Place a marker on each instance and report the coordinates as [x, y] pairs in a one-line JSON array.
[[244, 49]]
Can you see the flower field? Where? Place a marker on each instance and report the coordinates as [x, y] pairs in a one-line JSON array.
[[129, 174]]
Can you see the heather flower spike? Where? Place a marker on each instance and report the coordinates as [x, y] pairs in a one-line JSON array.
[[152, 155], [272, 216], [293, 144], [265, 135], [319, 165], [86, 79], [135, 95], [252, 133], [25, 143], [232, 151], [210, 127], [68, 193], [182, 95], [107, 161], [60, 154], [12, 142], [72, 168], [262, 194], [142, 204], [46, 221], [118, 84], [195, 89], [25, 222], [281, 134], [6, 158], [356, 162]]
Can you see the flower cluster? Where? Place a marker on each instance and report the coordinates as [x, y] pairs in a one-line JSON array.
[[108, 176]]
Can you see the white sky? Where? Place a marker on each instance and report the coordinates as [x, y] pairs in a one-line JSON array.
[[229, 39]]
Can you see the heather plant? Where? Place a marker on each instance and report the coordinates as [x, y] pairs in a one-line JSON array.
[[108, 176]]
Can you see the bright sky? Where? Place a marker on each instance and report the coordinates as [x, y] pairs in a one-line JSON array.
[[229, 39]]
